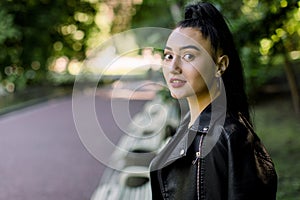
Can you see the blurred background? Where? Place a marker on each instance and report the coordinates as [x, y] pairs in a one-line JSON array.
[[44, 43]]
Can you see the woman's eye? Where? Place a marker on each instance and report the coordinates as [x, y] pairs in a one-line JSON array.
[[188, 57], [168, 57]]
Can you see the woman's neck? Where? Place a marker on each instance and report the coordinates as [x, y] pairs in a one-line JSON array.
[[197, 105]]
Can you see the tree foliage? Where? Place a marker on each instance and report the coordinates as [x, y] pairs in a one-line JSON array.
[[34, 33]]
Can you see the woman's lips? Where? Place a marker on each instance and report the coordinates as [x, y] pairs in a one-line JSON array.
[[176, 83]]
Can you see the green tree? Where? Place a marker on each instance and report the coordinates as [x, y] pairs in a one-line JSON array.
[[36, 32], [270, 42]]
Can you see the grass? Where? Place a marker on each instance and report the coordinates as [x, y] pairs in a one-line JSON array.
[[279, 128], [31, 96]]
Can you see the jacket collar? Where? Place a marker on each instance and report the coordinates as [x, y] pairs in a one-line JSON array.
[[185, 135], [203, 121]]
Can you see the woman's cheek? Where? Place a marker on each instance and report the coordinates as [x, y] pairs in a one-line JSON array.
[[165, 73]]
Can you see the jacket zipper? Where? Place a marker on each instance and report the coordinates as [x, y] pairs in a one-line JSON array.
[[198, 162]]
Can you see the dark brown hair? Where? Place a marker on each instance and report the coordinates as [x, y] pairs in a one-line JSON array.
[[205, 17]]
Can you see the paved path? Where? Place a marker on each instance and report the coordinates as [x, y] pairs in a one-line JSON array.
[[41, 155]]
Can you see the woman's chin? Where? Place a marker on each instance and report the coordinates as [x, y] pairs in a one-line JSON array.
[[177, 96]]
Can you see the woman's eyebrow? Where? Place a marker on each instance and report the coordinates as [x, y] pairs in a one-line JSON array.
[[168, 48], [184, 47], [189, 47]]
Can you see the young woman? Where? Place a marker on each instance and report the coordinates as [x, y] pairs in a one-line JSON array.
[[215, 153]]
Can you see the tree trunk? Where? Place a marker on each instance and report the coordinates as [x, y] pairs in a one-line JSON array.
[[292, 84]]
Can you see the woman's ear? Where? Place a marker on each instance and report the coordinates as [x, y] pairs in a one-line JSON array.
[[223, 62]]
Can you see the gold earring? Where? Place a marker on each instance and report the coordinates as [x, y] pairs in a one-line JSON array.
[[219, 73]]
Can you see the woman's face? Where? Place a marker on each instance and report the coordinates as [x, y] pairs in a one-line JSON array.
[[188, 67]]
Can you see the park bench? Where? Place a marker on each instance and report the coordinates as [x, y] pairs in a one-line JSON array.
[[148, 132]]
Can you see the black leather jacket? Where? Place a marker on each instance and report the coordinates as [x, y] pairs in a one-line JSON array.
[[219, 160]]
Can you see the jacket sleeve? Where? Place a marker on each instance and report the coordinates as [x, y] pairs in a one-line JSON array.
[[251, 172]]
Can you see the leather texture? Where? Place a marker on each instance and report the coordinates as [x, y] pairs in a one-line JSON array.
[[236, 166]]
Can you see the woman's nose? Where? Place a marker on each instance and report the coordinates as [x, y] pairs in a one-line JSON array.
[[176, 65]]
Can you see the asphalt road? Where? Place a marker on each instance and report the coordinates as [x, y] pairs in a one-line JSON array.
[[42, 156]]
